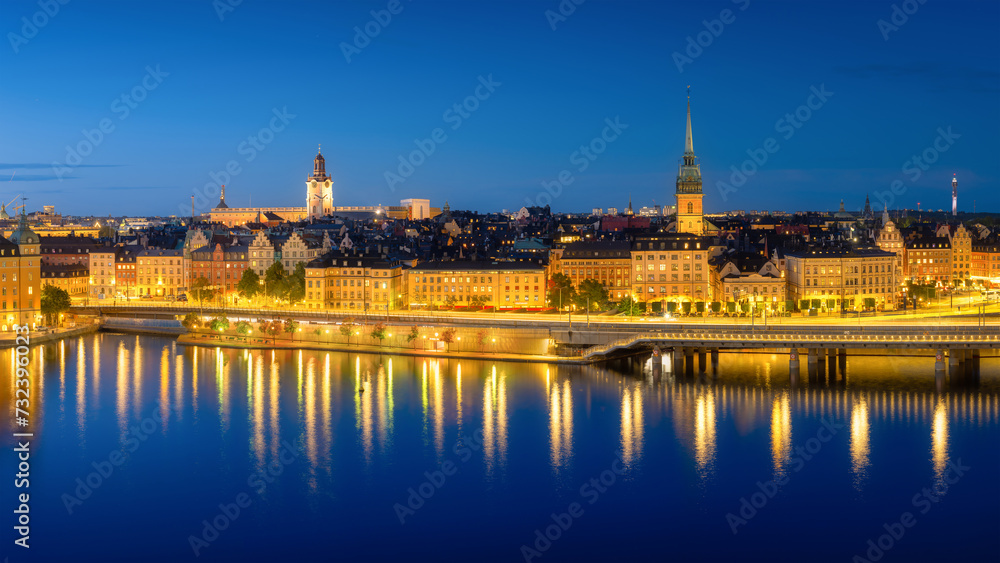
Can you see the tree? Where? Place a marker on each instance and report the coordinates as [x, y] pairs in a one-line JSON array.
[[413, 336], [243, 328], [106, 232], [379, 332], [448, 337], [347, 328], [561, 291], [249, 284], [55, 300], [200, 290], [220, 323], [449, 301], [628, 306], [190, 321], [274, 281], [593, 294], [273, 328], [290, 326], [481, 339], [295, 284]]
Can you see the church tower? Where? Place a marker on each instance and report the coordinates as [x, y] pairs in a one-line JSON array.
[[689, 209], [319, 190]]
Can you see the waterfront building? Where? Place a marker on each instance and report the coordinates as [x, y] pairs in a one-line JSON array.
[[752, 279], [125, 279], [928, 260], [671, 268], [355, 283], [608, 262], [73, 278], [302, 249], [67, 249], [263, 253], [222, 265], [890, 239], [842, 279], [505, 285], [160, 272], [20, 277], [985, 259], [101, 265]]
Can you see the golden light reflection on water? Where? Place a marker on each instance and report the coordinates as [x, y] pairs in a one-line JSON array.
[[81, 388], [939, 440], [257, 414], [122, 389], [495, 420], [631, 424], [165, 388], [137, 377], [309, 414], [704, 431], [560, 423], [437, 398], [860, 441], [781, 433]]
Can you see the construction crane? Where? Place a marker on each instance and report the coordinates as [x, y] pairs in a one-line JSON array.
[[3, 208]]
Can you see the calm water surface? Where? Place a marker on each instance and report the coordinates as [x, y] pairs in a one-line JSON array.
[[660, 470]]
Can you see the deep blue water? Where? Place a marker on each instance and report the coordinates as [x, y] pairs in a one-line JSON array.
[[522, 443]]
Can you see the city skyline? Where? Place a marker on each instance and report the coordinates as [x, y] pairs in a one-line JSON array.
[[870, 96]]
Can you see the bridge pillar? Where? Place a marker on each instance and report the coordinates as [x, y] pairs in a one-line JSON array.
[[821, 364], [656, 362], [702, 364], [715, 361], [793, 362], [939, 362], [974, 365], [688, 361], [953, 361], [831, 363], [842, 363], [813, 356], [678, 361]]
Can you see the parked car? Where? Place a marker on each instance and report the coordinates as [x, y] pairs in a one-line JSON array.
[[183, 298]]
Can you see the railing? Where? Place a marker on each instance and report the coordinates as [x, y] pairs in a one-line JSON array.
[[941, 337]]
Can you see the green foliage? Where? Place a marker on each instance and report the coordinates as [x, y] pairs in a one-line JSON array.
[[347, 329], [481, 339], [295, 284], [593, 291], [220, 323], [628, 306], [191, 320], [716, 306], [249, 284], [243, 328], [290, 326], [55, 300], [379, 332], [274, 281], [413, 335], [199, 289], [561, 291]]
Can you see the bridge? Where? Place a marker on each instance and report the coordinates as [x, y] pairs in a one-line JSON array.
[[823, 345]]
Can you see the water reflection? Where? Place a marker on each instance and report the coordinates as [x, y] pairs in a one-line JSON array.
[[939, 442], [781, 434], [859, 441], [560, 422], [631, 424], [704, 435], [495, 420]]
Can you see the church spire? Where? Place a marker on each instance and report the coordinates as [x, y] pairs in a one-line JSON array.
[[688, 140]]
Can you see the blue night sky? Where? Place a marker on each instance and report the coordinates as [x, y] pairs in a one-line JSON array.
[[222, 80]]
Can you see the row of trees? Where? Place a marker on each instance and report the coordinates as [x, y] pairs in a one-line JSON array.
[[348, 329], [563, 295], [277, 285]]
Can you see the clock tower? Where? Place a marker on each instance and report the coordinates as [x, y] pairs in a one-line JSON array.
[[689, 210], [319, 190]]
